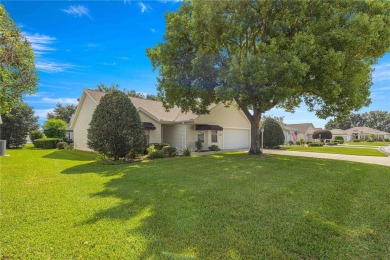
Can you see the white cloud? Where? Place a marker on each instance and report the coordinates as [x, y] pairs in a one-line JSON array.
[[387, 88], [108, 63], [153, 30], [382, 72], [144, 8], [123, 58], [52, 66], [78, 11], [72, 101], [40, 42], [42, 113]]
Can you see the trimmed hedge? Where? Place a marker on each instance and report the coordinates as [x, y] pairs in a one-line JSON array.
[[324, 134], [46, 143], [316, 144], [214, 147]]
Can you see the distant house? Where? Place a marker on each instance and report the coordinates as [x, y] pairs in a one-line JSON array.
[[289, 133], [360, 133], [305, 130], [226, 127]]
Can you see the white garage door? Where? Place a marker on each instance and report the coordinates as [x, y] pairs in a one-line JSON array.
[[236, 138]]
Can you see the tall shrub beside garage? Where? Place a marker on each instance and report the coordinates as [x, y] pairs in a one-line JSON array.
[[273, 133], [116, 129]]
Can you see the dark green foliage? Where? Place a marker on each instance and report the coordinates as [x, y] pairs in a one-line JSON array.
[[386, 140], [198, 145], [316, 144], [339, 139], [154, 153], [36, 134], [379, 120], [62, 112], [62, 146], [116, 128], [17, 124], [214, 147], [46, 143], [290, 142], [356, 141], [159, 146], [55, 128], [187, 151], [322, 134], [273, 133], [370, 140], [169, 151]]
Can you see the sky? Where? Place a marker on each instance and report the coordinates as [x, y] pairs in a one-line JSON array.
[[77, 45]]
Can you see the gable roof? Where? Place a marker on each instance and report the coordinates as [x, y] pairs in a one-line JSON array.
[[151, 107], [301, 127], [365, 130], [337, 131]]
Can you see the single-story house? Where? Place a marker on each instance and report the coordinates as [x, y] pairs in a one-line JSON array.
[[289, 133], [226, 127], [305, 130], [360, 133]]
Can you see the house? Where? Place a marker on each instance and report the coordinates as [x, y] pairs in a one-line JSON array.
[[226, 127], [289, 133], [305, 130], [360, 133]]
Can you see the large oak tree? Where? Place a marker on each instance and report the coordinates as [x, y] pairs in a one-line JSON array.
[[265, 54]]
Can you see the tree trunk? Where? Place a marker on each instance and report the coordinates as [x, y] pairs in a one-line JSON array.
[[255, 133]]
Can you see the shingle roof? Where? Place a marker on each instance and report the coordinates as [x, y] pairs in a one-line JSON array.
[[153, 107], [301, 127], [365, 130], [337, 131]]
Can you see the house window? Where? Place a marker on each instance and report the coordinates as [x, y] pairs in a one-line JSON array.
[[201, 137], [147, 137], [214, 136]]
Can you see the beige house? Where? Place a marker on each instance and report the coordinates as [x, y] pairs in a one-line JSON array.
[[305, 130], [360, 133], [226, 127]]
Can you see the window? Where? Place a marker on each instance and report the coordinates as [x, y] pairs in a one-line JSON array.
[[214, 136], [201, 137], [147, 137]]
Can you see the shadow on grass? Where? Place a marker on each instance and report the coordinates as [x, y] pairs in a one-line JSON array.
[[72, 155], [232, 206]]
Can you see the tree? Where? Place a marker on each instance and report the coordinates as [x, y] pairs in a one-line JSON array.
[[116, 128], [379, 120], [131, 93], [17, 70], [273, 133], [322, 134], [17, 124], [36, 134], [265, 54], [55, 128], [62, 112]]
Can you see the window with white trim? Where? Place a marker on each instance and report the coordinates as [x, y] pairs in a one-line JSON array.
[[214, 136], [201, 137]]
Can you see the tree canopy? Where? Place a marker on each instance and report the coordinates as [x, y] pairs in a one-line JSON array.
[[265, 54], [62, 112], [17, 69], [17, 124], [273, 133], [131, 93], [55, 128], [116, 128], [379, 120]]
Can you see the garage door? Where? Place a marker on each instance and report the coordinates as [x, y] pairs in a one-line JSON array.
[[236, 138]]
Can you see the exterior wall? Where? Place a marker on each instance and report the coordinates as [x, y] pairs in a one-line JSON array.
[[309, 134], [173, 134], [82, 124], [155, 135]]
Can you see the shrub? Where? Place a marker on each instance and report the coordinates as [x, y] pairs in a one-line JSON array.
[[370, 140], [332, 143], [273, 133], [386, 140], [214, 147], [55, 128], [356, 141], [46, 143], [187, 151], [153, 153], [290, 142], [302, 141], [159, 146], [169, 151], [308, 142], [298, 142], [198, 145], [339, 139], [116, 127], [36, 134], [62, 145], [322, 134], [316, 144]]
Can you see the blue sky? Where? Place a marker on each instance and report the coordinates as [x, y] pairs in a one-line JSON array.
[[80, 44]]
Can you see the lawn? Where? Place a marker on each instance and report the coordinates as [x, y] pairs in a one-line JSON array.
[[337, 150], [369, 143], [62, 205]]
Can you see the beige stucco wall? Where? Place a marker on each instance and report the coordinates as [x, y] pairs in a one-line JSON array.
[[173, 134], [155, 135], [82, 124]]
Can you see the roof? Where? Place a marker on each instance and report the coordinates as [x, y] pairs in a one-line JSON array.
[[365, 130], [337, 131], [301, 127], [288, 128], [155, 108]]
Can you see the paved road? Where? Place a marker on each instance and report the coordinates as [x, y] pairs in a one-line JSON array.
[[354, 158], [385, 149]]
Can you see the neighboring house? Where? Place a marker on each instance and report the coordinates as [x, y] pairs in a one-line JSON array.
[[226, 127], [289, 133], [360, 133], [305, 130]]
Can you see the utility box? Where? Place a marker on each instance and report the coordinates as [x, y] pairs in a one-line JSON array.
[[3, 145]]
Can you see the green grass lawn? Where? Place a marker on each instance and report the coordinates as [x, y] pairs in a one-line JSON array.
[[63, 205], [337, 150], [369, 143]]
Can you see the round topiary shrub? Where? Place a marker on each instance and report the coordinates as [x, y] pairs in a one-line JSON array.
[[322, 134], [36, 134], [273, 133], [339, 139]]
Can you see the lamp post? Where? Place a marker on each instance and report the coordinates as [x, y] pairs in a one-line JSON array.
[[262, 138]]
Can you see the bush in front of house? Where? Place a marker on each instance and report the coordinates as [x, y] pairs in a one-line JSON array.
[[370, 140], [187, 151], [154, 153], [198, 145], [214, 147], [322, 134], [386, 140], [62, 146], [356, 141], [46, 143], [169, 151], [36, 134], [315, 144], [116, 128], [273, 133], [339, 139], [55, 128], [290, 143], [158, 146]]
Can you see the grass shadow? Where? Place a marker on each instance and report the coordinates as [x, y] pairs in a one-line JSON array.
[[72, 155]]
